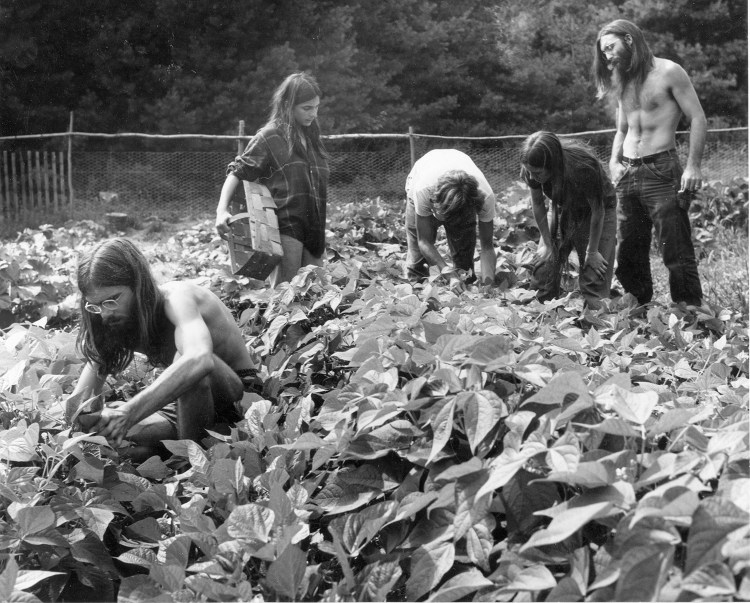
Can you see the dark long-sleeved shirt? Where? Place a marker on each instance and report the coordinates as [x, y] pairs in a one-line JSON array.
[[298, 184]]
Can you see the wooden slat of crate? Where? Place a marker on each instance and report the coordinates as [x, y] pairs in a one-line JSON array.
[[255, 242]]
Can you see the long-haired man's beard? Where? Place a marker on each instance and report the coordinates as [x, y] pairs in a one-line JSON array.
[[620, 66], [125, 329]]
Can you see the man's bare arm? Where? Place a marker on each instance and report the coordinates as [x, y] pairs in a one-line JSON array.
[[685, 96], [616, 168], [194, 361]]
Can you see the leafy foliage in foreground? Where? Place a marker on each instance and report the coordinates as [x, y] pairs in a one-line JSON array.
[[408, 444]]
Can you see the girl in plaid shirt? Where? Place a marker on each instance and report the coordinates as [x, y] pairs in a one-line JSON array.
[[287, 156]]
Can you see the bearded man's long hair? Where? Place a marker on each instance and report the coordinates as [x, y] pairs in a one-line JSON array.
[[114, 263], [636, 68]]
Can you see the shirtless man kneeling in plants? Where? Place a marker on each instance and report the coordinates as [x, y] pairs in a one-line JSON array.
[[180, 326]]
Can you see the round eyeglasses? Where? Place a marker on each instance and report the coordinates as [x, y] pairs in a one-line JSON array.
[[107, 304]]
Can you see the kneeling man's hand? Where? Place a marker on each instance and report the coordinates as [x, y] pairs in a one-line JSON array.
[[113, 425]]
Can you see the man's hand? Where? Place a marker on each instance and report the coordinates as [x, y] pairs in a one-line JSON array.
[[113, 424], [596, 262], [691, 179], [457, 285], [616, 171]]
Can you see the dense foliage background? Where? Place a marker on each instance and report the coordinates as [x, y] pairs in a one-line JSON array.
[[460, 67]]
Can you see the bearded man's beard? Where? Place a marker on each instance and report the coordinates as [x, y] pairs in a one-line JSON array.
[[621, 72], [122, 333]]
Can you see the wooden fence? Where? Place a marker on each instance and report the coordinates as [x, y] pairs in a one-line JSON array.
[[34, 181]]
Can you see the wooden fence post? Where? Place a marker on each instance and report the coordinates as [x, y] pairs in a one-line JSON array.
[[241, 132], [412, 151], [71, 203]]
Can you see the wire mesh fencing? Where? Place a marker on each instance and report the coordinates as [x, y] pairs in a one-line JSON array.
[[181, 177]]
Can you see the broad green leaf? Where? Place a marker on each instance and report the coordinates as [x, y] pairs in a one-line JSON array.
[[143, 557], [285, 574], [442, 427], [461, 585], [306, 441], [711, 582], [631, 406], [153, 468], [566, 523], [479, 542], [361, 527], [536, 374], [379, 442], [377, 579], [428, 567], [560, 386], [412, 503], [670, 420], [469, 509], [28, 578], [250, 522], [564, 455], [677, 505], [340, 496], [643, 572], [97, 519], [728, 441], [713, 521], [591, 474], [523, 497], [226, 476], [146, 529], [19, 443], [171, 577], [33, 520], [482, 411], [613, 426], [8, 578], [532, 579]]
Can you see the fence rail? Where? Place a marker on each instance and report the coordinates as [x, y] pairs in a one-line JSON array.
[[171, 176]]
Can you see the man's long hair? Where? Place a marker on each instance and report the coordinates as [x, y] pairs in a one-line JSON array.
[[566, 160], [613, 83], [457, 191], [297, 88], [114, 263]]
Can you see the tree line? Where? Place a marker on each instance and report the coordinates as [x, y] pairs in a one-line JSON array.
[[450, 67]]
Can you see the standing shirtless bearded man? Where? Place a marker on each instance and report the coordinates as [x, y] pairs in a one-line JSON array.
[[652, 189]]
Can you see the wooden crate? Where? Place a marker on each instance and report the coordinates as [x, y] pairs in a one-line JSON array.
[[254, 241]]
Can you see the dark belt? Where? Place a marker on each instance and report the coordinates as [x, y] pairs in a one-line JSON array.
[[647, 158]]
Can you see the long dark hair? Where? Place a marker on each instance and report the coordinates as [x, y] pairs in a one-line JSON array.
[[564, 159], [641, 60], [295, 89], [114, 263]]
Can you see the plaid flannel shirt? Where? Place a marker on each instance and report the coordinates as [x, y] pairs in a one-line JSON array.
[[298, 184]]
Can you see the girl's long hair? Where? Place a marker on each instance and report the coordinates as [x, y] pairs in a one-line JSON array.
[[295, 89], [608, 83], [113, 263], [565, 159]]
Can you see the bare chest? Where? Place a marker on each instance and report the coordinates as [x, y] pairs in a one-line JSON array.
[[653, 96]]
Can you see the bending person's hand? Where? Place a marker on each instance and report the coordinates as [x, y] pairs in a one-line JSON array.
[[113, 424], [597, 263], [222, 224]]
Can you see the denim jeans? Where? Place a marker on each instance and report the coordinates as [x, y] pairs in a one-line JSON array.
[[575, 235], [647, 198], [461, 234]]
